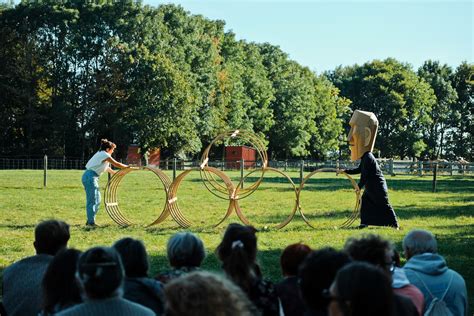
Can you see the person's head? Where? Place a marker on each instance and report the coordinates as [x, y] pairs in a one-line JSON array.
[[134, 257], [107, 146], [362, 134], [51, 236], [185, 249], [237, 252], [206, 294], [59, 283], [372, 249], [419, 241], [100, 272], [291, 258], [360, 289], [316, 274]]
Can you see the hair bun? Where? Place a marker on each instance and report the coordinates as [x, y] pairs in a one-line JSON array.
[[104, 140]]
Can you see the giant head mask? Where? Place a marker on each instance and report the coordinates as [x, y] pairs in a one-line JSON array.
[[361, 137]]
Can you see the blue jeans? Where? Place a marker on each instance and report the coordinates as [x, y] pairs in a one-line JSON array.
[[90, 180]]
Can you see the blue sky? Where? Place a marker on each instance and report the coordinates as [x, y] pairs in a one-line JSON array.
[[325, 34]]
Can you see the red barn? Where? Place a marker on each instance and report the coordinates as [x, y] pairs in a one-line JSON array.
[[235, 154]]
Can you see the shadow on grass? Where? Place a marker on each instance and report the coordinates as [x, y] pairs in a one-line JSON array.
[[451, 184]]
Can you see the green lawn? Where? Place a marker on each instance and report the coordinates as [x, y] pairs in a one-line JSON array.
[[326, 201]]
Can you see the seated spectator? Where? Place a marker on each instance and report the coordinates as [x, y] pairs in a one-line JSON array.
[[138, 287], [360, 289], [316, 273], [379, 252], [238, 253], [185, 254], [205, 294], [287, 290], [100, 273], [427, 270], [22, 280], [402, 286], [60, 287]]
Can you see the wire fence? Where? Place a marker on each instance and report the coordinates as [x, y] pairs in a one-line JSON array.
[[388, 166]]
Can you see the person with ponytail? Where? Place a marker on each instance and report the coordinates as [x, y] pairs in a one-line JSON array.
[[99, 163], [238, 252]]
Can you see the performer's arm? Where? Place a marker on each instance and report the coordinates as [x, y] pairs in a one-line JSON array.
[[355, 170]]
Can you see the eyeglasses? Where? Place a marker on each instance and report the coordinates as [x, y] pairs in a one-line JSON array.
[[391, 266]]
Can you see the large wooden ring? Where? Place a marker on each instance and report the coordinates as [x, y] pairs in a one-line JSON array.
[[355, 213], [111, 198], [173, 195], [208, 179]]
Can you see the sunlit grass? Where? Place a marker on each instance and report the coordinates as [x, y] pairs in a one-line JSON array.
[[326, 200]]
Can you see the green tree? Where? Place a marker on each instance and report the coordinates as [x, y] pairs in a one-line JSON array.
[[438, 77], [461, 134], [401, 101]]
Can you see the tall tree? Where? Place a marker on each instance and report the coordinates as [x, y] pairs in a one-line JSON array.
[[461, 134], [438, 77], [401, 101]]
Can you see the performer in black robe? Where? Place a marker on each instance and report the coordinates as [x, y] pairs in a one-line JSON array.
[[375, 208]]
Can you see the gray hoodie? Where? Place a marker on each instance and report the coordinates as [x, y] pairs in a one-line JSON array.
[[429, 273]]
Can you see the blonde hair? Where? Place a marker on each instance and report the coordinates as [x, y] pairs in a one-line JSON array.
[[206, 294]]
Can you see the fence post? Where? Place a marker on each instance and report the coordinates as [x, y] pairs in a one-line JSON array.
[[286, 164], [435, 171], [420, 168], [45, 167], [390, 166], [301, 170], [242, 161], [174, 168]]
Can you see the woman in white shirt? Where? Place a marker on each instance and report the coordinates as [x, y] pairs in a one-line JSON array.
[[99, 163]]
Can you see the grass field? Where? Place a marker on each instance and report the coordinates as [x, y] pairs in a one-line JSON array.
[[326, 201]]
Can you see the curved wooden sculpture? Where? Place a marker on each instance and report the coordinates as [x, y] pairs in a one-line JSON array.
[[223, 189]]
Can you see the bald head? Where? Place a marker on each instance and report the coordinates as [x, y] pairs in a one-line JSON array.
[[419, 241]]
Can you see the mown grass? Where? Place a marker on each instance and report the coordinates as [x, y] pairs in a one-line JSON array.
[[326, 200]]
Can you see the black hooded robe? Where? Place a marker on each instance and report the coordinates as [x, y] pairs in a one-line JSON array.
[[375, 208]]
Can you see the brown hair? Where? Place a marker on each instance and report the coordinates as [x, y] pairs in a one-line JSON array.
[[292, 257], [106, 144]]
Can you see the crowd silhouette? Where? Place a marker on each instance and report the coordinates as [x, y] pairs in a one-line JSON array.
[[363, 278]]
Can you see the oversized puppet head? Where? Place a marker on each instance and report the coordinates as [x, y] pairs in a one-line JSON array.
[[361, 137]]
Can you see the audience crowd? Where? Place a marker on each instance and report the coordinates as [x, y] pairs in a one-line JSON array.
[[364, 278]]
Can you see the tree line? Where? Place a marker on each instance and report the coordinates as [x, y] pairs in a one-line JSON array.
[[73, 72]]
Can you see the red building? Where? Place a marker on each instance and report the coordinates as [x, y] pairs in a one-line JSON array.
[[235, 154], [134, 157]]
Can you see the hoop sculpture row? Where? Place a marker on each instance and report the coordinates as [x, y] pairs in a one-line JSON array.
[[224, 189]]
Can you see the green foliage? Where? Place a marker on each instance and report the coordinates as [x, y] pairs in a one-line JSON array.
[[438, 77], [73, 72], [461, 134], [401, 101]]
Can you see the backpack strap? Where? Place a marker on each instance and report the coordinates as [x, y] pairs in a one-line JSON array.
[[428, 290], [449, 285], [424, 284]]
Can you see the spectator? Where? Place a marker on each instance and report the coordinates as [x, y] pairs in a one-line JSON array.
[[237, 252], [287, 290], [60, 287], [205, 294], [100, 273], [22, 280], [138, 287], [402, 286], [379, 252], [427, 270], [316, 274], [185, 254], [360, 289]]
